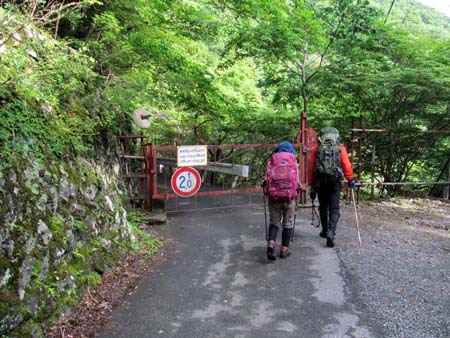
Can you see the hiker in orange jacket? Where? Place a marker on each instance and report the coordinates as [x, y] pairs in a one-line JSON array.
[[328, 164]]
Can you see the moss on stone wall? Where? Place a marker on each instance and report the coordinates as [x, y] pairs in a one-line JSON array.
[[63, 226]]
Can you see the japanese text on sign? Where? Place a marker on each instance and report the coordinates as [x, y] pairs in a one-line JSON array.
[[190, 156]]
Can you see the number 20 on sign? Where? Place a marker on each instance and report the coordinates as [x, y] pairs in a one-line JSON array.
[[186, 181]]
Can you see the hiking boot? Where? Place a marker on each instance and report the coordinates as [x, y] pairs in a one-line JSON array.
[[284, 252], [330, 239], [271, 253]]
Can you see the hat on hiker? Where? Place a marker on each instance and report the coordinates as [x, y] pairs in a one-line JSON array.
[[285, 146]]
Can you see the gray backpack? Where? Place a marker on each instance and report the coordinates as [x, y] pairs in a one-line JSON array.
[[327, 166]]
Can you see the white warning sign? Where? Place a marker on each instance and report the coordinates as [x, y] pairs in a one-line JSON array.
[[192, 156]]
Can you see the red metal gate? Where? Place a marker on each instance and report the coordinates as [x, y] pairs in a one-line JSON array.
[[232, 177]]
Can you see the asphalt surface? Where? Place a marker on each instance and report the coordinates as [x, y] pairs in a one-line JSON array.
[[217, 282]]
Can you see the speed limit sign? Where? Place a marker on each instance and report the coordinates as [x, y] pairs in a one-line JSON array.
[[185, 181]]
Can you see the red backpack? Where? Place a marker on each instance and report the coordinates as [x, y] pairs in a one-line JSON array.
[[282, 177]]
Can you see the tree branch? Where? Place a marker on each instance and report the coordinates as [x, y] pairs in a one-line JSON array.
[[330, 42]]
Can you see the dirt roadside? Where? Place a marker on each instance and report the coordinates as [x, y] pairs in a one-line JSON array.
[[402, 270]]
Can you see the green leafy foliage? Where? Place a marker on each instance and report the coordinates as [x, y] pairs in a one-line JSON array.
[[43, 106], [146, 243]]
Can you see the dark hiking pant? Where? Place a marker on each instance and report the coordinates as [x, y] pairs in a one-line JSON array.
[[328, 195]]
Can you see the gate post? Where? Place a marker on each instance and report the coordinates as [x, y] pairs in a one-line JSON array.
[[360, 160], [303, 169], [149, 170]]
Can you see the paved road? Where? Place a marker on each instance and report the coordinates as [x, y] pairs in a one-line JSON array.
[[218, 283]]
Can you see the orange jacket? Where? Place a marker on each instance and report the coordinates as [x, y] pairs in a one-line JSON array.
[[345, 162]]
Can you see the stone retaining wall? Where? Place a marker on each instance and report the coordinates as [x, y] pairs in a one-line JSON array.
[[62, 225]]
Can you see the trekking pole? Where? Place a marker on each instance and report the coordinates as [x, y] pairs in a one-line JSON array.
[[356, 216], [314, 212], [265, 216], [295, 216]]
